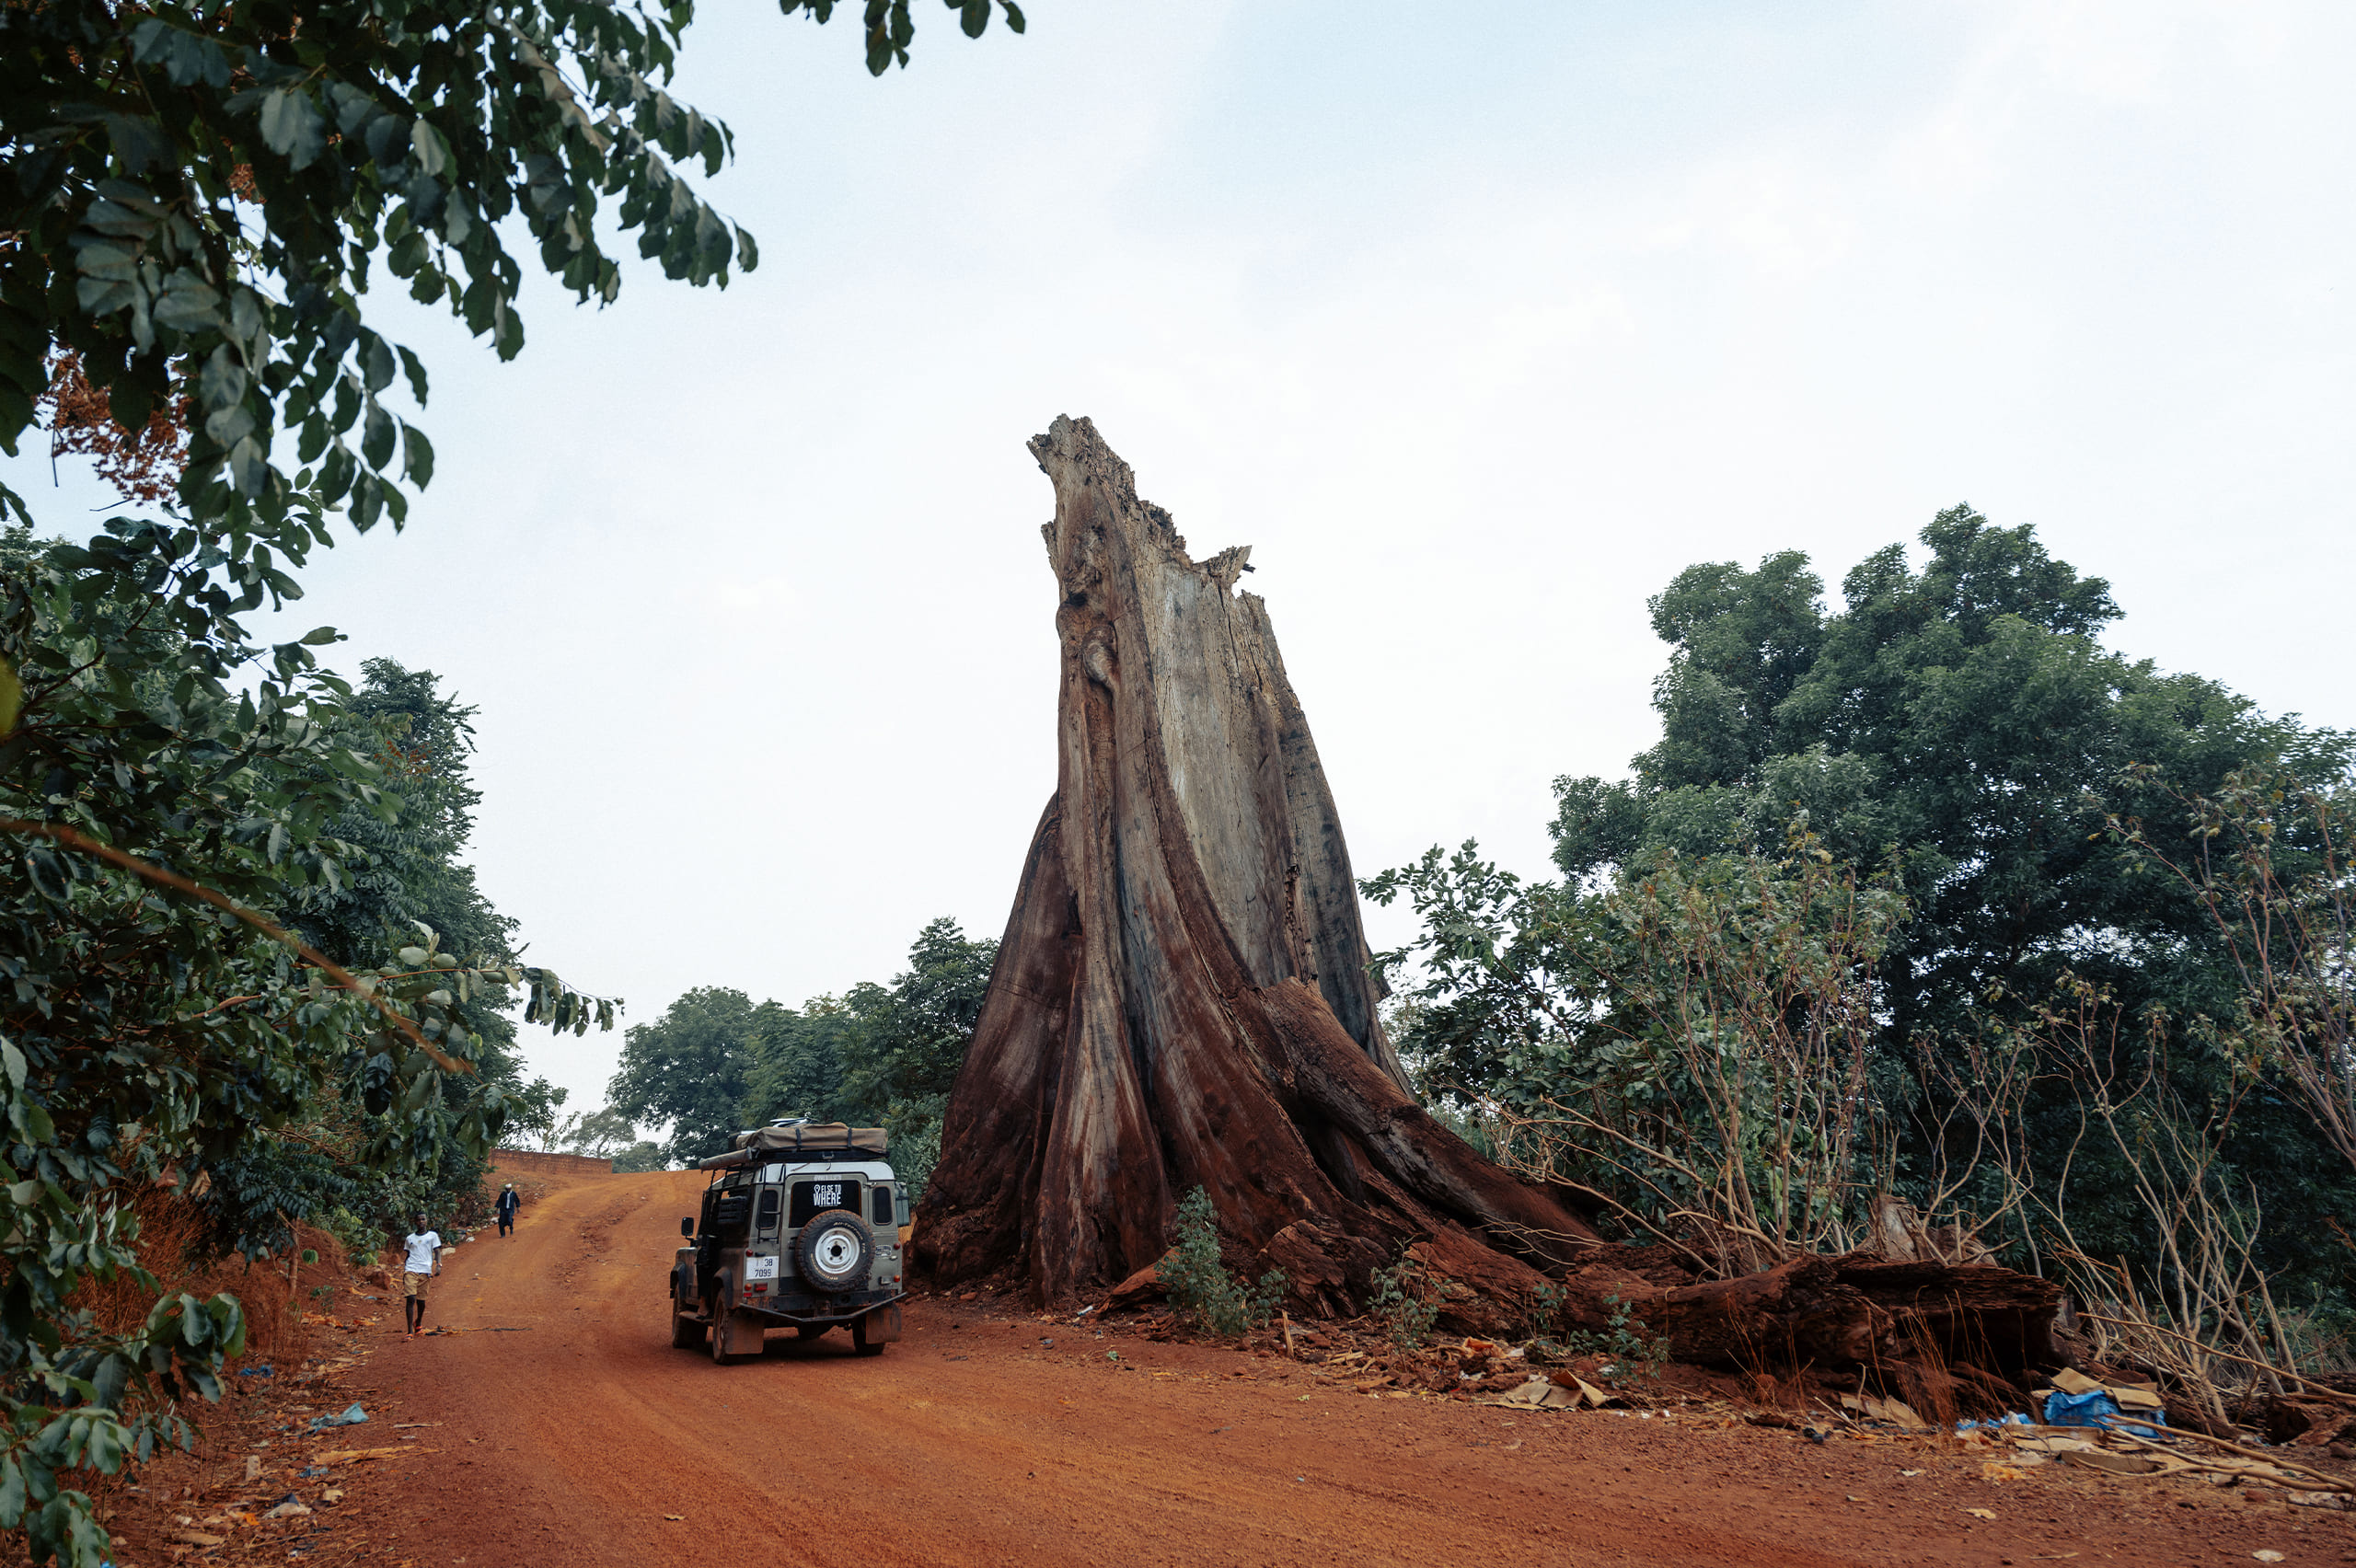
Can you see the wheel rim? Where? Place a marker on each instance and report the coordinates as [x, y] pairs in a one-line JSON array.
[[836, 1255]]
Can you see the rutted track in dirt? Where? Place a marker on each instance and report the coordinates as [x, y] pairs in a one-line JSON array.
[[570, 1438]]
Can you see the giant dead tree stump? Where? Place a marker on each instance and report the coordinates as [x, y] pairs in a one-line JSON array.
[[1183, 997]]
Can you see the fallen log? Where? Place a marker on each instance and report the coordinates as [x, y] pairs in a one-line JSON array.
[[1948, 1336]]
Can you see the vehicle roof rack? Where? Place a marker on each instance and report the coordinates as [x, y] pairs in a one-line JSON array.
[[795, 1139]]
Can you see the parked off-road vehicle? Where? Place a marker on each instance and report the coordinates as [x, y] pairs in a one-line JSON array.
[[801, 1228]]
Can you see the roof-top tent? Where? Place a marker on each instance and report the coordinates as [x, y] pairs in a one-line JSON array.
[[794, 1140]]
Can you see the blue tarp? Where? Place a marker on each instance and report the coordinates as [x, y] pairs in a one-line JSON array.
[[2096, 1407]]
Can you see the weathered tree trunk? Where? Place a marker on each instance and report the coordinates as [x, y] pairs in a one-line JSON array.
[[1183, 996]]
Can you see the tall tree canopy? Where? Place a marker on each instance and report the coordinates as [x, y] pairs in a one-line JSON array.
[[798, 1055], [910, 1039], [1961, 721], [687, 1067], [410, 868]]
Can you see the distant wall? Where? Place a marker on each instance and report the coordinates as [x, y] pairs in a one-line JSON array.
[[528, 1162]]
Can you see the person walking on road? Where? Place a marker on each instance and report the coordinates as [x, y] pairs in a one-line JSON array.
[[425, 1249], [507, 1205]]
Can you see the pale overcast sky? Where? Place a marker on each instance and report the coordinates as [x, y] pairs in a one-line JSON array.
[[1477, 322]]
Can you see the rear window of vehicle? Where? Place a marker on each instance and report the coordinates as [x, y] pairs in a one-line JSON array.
[[817, 1197], [880, 1201]]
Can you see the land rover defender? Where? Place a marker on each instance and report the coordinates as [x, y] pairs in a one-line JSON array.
[[801, 1226]]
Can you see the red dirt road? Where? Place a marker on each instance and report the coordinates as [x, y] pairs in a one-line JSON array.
[[569, 1439]]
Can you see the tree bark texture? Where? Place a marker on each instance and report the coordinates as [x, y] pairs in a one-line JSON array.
[[1183, 996]]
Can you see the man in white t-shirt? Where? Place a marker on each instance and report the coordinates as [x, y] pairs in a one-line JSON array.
[[424, 1261]]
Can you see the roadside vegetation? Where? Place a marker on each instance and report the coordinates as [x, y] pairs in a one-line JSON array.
[[1200, 1287], [1932, 924], [244, 965]]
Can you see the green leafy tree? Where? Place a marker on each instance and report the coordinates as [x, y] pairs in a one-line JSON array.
[[1962, 722], [689, 1069], [537, 1113], [797, 1060], [406, 872], [419, 134], [408, 866], [2268, 858], [914, 1032], [193, 197], [600, 1135], [643, 1155], [1693, 1044]]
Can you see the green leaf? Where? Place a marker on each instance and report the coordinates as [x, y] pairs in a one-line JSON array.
[[138, 142], [376, 436], [249, 468], [367, 501], [415, 369], [417, 455], [293, 127], [188, 58], [426, 145], [113, 1375], [376, 363], [188, 304], [33, 1121], [124, 212], [222, 384], [247, 325]]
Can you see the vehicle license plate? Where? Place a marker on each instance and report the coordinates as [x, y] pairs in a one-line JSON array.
[[761, 1268]]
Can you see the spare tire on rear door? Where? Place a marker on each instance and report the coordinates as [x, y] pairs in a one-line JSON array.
[[834, 1251]]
